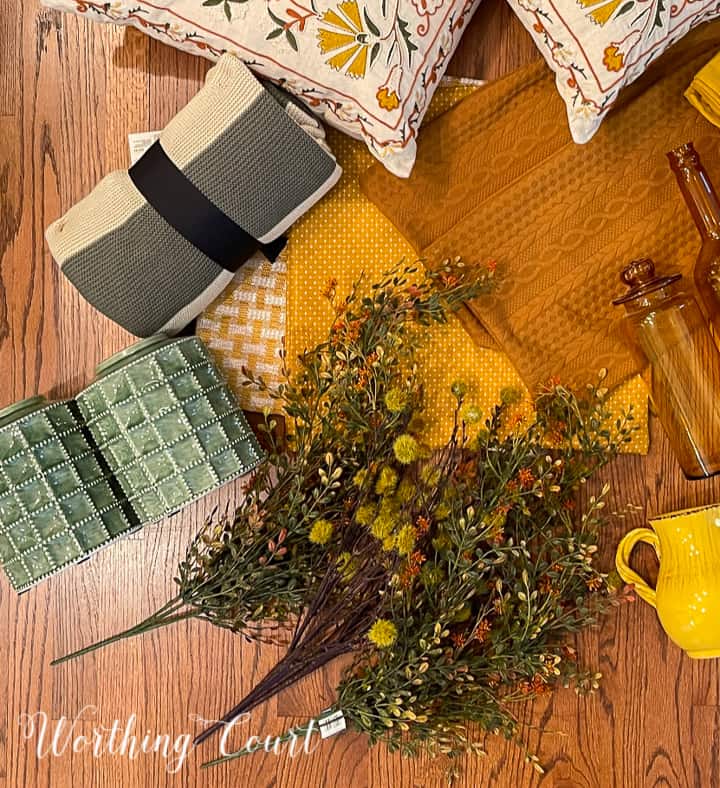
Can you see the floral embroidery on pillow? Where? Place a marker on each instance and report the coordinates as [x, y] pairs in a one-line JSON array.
[[613, 59], [345, 35], [602, 10], [369, 67], [597, 47]]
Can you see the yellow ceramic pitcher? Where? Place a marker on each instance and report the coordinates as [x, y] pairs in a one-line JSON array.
[[687, 597]]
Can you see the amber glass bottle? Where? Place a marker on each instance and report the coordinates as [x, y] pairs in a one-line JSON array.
[[668, 332], [704, 206]]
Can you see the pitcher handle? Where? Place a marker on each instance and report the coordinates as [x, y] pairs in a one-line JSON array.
[[622, 557]]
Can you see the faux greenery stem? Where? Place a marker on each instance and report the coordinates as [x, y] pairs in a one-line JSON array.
[[336, 619], [161, 618], [456, 578]]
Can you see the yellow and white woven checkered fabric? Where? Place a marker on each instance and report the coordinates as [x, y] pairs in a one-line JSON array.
[[245, 327]]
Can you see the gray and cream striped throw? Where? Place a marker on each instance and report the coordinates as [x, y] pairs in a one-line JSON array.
[[246, 151]]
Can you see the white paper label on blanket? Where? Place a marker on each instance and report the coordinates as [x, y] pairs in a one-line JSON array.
[[140, 142], [333, 723]]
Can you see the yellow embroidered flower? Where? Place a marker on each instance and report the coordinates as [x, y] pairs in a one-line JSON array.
[[383, 633], [347, 37], [602, 10], [321, 532], [613, 59], [387, 99]]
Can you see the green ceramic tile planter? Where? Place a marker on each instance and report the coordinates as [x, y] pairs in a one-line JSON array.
[[55, 503], [157, 430]]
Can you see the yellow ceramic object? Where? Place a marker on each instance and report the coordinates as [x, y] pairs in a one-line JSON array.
[[687, 597]]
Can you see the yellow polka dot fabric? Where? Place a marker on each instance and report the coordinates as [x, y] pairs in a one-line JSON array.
[[344, 236]]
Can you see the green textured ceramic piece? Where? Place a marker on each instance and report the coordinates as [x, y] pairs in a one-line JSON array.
[[166, 420], [20, 409], [123, 357], [157, 430], [56, 503]]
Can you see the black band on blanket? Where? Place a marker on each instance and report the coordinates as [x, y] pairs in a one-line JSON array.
[[188, 210]]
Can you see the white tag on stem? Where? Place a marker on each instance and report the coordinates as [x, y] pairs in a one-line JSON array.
[[332, 724]]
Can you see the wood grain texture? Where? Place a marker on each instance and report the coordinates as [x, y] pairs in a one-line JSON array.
[[494, 44], [70, 93]]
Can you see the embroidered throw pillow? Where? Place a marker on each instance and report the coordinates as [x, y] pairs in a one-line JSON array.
[[368, 67], [597, 47]]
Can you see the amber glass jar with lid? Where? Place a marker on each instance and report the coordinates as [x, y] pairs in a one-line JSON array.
[[704, 206], [668, 332]]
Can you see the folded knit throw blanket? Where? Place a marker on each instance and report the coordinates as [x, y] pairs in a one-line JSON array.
[[150, 248], [498, 176]]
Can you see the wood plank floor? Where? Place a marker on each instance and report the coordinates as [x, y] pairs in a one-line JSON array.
[[69, 94]]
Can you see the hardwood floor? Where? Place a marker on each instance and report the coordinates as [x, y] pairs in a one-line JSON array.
[[69, 94]]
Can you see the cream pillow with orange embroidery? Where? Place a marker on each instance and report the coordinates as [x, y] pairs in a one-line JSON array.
[[596, 47], [368, 67]]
